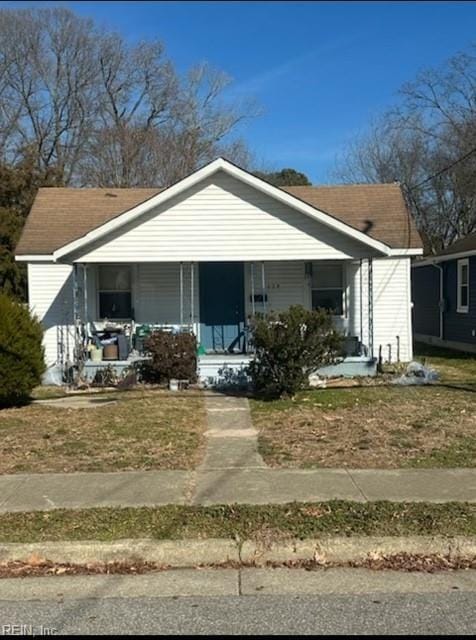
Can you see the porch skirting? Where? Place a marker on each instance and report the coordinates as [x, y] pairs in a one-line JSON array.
[[230, 369], [216, 370]]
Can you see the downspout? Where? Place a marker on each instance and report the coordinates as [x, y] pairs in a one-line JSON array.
[[441, 300]]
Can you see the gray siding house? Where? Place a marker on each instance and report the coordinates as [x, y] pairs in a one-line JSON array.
[[444, 297]]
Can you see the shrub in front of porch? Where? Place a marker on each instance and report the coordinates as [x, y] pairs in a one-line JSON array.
[[21, 352], [288, 347], [173, 356]]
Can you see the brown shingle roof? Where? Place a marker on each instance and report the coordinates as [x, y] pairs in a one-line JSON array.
[[378, 210], [60, 215], [468, 243]]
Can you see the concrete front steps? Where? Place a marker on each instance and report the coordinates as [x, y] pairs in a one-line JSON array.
[[221, 369]]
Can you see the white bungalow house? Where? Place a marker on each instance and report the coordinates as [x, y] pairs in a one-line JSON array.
[[209, 252]]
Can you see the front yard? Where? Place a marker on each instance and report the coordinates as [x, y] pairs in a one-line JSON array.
[[377, 426], [140, 430]]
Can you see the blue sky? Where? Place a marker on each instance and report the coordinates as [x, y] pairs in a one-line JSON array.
[[320, 70]]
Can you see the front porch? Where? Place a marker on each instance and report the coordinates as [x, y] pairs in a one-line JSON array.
[[116, 306]]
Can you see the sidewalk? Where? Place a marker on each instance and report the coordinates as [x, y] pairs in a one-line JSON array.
[[232, 471], [38, 492]]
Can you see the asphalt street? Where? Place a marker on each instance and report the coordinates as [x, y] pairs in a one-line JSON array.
[[452, 614]]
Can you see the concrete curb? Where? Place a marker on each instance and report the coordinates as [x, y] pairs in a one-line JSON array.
[[173, 553], [218, 551], [342, 549]]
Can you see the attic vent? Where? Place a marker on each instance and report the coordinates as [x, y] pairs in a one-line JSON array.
[[111, 195]]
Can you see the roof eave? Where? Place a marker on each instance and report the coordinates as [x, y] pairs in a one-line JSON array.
[[445, 258], [34, 257], [203, 173]]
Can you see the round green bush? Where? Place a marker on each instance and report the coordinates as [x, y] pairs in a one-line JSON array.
[[21, 352]]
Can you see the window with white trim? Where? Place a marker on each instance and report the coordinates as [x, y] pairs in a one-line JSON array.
[[463, 286], [327, 288], [115, 296]]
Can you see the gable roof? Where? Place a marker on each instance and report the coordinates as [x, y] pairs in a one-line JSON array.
[[378, 210], [63, 219], [463, 245], [462, 248], [60, 215]]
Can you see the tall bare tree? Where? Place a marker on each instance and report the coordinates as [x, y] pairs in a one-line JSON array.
[[102, 110], [172, 127], [419, 143], [49, 71], [81, 105]]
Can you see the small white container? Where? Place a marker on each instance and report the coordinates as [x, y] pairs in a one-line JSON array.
[[96, 354], [173, 385]]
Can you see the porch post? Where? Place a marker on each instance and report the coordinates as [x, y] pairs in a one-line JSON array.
[[75, 294], [252, 272], [181, 295], [371, 306], [263, 287], [77, 336], [361, 300], [192, 307], [85, 295]]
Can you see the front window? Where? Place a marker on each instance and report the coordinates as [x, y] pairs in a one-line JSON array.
[[115, 299], [463, 286], [328, 288]]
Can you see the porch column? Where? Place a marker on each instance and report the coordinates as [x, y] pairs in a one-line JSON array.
[[78, 355], [252, 276], [361, 300], [263, 288], [192, 297], [85, 295], [181, 294], [370, 306]]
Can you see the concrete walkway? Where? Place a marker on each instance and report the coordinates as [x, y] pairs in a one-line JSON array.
[[47, 491], [232, 441], [232, 471]]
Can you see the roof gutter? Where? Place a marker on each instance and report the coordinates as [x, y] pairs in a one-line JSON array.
[[444, 258], [34, 257]]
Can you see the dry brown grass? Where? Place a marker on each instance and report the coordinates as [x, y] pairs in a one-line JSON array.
[[141, 430], [370, 427]]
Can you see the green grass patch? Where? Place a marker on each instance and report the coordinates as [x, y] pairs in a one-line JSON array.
[[461, 453], [369, 427], [299, 520], [454, 367], [46, 392], [325, 399], [141, 429]]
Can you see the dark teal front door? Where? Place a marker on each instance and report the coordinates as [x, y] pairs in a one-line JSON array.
[[222, 306]]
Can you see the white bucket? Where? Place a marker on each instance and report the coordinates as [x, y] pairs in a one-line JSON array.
[[173, 385], [96, 354]]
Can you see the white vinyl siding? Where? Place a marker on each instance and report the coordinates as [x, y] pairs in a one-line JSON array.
[[50, 295], [392, 308], [285, 285], [158, 293], [223, 219]]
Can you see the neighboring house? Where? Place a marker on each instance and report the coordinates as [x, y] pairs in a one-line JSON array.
[[211, 251], [444, 295]]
